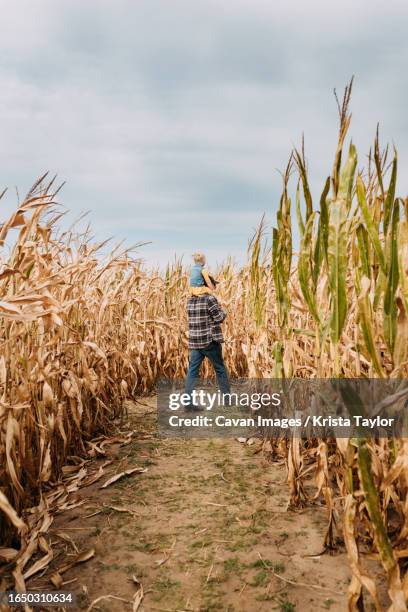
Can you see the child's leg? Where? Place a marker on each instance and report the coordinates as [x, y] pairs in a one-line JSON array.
[[199, 290]]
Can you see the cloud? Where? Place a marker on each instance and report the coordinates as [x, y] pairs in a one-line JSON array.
[[168, 120]]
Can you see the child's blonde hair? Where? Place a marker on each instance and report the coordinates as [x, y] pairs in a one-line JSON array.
[[199, 258]]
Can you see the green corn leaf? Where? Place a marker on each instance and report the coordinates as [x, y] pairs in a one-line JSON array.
[[364, 250], [282, 301], [336, 171], [282, 253], [389, 200], [366, 319], [303, 175], [275, 263], [347, 177], [337, 264], [390, 307], [320, 249], [275, 245], [379, 526], [299, 212], [337, 246], [256, 271], [305, 268], [377, 161], [317, 257], [403, 260], [277, 352], [379, 289], [324, 217], [369, 223]]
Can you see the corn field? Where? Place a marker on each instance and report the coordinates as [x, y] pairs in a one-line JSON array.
[[82, 330]]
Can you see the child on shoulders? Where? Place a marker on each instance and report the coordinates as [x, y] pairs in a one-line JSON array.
[[200, 280]]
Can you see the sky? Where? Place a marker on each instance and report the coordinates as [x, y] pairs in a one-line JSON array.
[[169, 120]]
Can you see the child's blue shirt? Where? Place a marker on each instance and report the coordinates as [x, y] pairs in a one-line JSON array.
[[196, 277]]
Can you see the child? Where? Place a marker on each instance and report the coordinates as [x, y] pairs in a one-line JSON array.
[[200, 280]]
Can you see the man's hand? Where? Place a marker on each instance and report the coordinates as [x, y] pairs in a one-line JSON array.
[[217, 314]]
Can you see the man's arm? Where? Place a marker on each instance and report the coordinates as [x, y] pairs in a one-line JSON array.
[[217, 314]]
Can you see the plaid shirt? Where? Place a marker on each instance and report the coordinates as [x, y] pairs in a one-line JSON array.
[[204, 318]]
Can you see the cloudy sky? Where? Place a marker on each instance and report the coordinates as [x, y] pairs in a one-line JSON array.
[[169, 119]]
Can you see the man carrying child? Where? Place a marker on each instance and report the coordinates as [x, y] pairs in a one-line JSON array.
[[204, 322]]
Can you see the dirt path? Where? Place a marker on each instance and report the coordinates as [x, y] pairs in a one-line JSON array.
[[208, 531]]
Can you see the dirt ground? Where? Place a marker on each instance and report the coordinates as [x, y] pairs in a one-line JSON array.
[[205, 528]]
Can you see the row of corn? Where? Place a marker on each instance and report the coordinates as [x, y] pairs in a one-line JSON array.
[[342, 313]]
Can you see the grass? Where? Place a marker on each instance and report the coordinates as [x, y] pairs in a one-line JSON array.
[[162, 586], [232, 564], [278, 568], [134, 569], [284, 604]]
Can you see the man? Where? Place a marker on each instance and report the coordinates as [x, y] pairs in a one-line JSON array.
[[205, 337]]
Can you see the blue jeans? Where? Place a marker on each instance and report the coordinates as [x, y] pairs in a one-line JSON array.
[[214, 353]]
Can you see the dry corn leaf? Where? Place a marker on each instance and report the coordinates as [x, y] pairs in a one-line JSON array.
[[19, 582], [103, 597], [67, 538], [8, 554], [41, 563], [80, 558], [11, 514], [359, 577], [116, 477], [120, 509], [137, 599], [70, 505], [57, 580], [97, 475]]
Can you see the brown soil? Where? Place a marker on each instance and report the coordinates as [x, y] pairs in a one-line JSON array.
[[209, 531]]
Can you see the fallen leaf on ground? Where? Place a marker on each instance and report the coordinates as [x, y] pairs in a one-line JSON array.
[[161, 562], [137, 599], [120, 509], [70, 505], [8, 554], [81, 558], [67, 538], [43, 562], [96, 475], [121, 474], [56, 580], [102, 597]]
